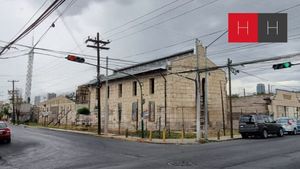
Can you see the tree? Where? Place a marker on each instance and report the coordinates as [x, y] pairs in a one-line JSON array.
[[4, 112]]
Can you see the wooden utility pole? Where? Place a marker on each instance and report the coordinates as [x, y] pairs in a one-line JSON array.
[[223, 113], [198, 105], [106, 116], [230, 100], [13, 100], [97, 42]]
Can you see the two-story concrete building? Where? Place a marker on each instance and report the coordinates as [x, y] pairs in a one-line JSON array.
[[168, 96]]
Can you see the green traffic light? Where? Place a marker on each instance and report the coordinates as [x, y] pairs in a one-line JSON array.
[[282, 65], [287, 64]]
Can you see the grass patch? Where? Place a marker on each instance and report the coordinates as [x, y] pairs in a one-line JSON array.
[[159, 135]]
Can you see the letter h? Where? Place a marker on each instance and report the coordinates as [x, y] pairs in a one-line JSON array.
[[243, 27]]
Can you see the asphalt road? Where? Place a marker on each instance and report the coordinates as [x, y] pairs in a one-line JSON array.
[[46, 149]]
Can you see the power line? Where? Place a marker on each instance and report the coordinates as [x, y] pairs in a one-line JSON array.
[[10, 53], [248, 46], [81, 54], [164, 21], [94, 59], [137, 18], [147, 20], [68, 52], [172, 45], [38, 21], [13, 57], [53, 23], [64, 77], [44, 3], [250, 62], [67, 27], [263, 79], [31, 55]]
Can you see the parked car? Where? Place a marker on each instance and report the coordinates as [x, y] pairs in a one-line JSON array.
[[298, 125], [289, 125], [5, 133], [258, 125]]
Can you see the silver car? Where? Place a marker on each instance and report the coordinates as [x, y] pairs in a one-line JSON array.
[[288, 124]]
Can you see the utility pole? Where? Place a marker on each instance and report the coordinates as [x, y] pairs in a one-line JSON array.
[[165, 97], [142, 110], [106, 115], [230, 101], [17, 108], [223, 113], [198, 105], [97, 42], [206, 84], [13, 100]]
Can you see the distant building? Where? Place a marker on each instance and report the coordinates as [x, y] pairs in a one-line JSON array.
[[281, 104], [51, 96], [82, 95], [56, 111], [37, 100], [260, 88]]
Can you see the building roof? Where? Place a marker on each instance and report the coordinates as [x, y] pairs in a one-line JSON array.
[[55, 98], [159, 59], [144, 67]]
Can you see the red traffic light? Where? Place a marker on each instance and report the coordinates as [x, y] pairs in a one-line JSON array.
[[75, 58]]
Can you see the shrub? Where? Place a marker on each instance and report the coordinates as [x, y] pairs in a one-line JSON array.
[[83, 111]]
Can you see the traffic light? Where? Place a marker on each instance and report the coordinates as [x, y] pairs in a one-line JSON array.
[[75, 58], [282, 65]]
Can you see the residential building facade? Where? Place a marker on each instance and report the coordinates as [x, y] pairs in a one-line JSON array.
[[56, 111]]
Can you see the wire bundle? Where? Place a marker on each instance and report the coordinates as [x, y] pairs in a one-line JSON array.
[[38, 21]]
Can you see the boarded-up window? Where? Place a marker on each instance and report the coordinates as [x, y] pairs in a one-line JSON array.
[[134, 88], [120, 90], [151, 86], [119, 112], [151, 111], [108, 91], [134, 111]]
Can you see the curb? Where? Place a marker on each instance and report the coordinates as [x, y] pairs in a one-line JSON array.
[[231, 139], [140, 140]]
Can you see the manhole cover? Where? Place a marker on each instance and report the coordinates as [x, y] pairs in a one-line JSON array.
[[181, 163]]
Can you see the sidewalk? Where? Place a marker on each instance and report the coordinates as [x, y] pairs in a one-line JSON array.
[[146, 140]]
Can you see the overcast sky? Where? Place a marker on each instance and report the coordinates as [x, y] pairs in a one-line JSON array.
[[173, 22]]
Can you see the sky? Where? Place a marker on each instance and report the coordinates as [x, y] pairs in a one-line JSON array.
[[139, 30]]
